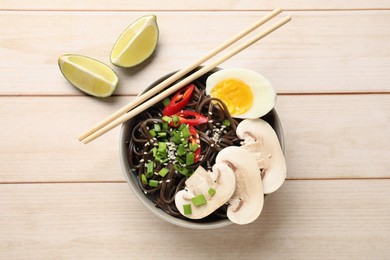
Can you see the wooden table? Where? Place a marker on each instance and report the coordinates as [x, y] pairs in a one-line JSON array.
[[60, 199]]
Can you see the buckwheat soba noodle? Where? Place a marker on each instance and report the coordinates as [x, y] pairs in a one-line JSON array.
[[218, 133]]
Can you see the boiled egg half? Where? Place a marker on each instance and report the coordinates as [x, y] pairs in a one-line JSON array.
[[246, 93]]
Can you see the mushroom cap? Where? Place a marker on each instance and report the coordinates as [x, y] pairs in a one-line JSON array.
[[222, 179], [247, 201], [261, 140]]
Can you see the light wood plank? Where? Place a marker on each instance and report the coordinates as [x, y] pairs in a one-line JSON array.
[[316, 52], [303, 220], [328, 136], [180, 5], [336, 136]]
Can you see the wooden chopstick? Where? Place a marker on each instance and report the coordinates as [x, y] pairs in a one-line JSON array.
[[184, 82], [140, 99]]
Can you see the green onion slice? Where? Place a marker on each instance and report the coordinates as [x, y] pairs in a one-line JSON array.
[[152, 132], [176, 120], [153, 183], [149, 169], [187, 209], [212, 191], [157, 127], [198, 200], [166, 101], [167, 119], [163, 172], [190, 158], [226, 122], [144, 179], [162, 147], [186, 132]]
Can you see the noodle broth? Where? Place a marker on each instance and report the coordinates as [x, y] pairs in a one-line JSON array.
[[137, 143]]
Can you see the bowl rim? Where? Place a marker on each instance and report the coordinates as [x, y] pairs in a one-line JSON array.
[[130, 177]]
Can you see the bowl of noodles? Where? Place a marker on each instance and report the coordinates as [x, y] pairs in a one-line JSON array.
[[141, 138]]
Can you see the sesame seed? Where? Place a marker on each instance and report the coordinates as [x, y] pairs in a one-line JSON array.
[[145, 192], [155, 139], [156, 173], [160, 182], [142, 160], [168, 180], [155, 144], [145, 152], [147, 143], [210, 113], [210, 121], [212, 145]]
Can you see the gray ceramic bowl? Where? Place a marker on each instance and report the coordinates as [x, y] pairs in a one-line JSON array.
[[272, 118]]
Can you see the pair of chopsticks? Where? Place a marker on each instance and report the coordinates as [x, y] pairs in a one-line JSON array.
[[145, 101]]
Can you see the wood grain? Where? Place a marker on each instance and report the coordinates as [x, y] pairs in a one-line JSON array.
[[303, 220], [327, 136], [317, 52], [199, 5]]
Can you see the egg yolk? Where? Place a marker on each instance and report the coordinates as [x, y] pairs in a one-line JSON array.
[[235, 94]]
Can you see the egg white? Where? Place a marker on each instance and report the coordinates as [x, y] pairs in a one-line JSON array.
[[264, 95]]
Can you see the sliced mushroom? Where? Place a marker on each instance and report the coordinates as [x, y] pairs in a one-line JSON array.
[[247, 201], [261, 140], [221, 180]]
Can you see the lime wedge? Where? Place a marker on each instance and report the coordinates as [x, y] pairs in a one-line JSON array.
[[88, 75], [136, 43]]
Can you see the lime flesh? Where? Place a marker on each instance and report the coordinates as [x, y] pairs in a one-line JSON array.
[[136, 43], [88, 75]]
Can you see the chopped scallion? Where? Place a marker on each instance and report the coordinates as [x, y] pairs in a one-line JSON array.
[[193, 147], [162, 134], [162, 147], [144, 179], [186, 132], [181, 150], [166, 101], [212, 191], [152, 132], [187, 209], [149, 169], [182, 126], [163, 172], [190, 158], [153, 183], [176, 138], [184, 171], [226, 122], [167, 119], [157, 127], [198, 200], [176, 120], [165, 125]]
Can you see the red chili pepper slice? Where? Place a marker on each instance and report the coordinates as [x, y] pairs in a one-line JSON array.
[[179, 100], [194, 139], [190, 117]]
